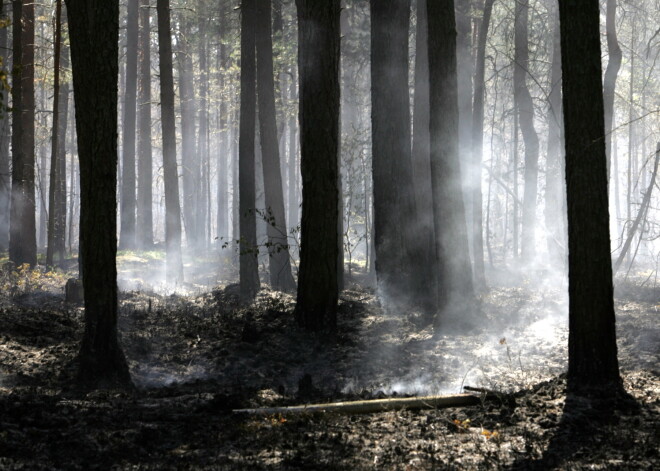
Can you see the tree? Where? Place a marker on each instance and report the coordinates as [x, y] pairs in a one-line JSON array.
[[609, 81], [94, 32], [525, 111], [394, 198], [128, 199], [22, 230], [477, 148], [57, 187], [318, 66], [144, 230], [249, 274], [170, 174], [455, 288], [281, 277], [592, 351], [5, 181]]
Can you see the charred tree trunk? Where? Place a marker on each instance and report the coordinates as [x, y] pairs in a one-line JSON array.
[[525, 111], [144, 232], [318, 65], [592, 351], [5, 136], [394, 203], [170, 174], [249, 275], [477, 149], [421, 161], [455, 288], [57, 188], [94, 32], [128, 198], [281, 277], [22, 230], [611, 73]]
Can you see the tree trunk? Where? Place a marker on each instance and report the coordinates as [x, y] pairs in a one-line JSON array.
[[318, 65], [611, 73], [128, 198], [477, 149], [294, 218], [455, 288], [170, 173], [226, 145], [202, 141], [392, 168], [525, 111], [249, 275], [421, 163], [279, 263], [189, 161], [57, 221], [22, 230], [5, 180], [94, 33], [555, 201], [592, 350], [145, 232]]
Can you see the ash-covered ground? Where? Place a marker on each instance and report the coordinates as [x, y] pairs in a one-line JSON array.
[[196, 357]]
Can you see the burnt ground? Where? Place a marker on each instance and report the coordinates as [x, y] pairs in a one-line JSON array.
[[195, 358]]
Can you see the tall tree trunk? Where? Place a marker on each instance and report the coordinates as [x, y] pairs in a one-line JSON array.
[[249, 275], [421, 160], [170, 173], [318, 65], [611, 73], [455, 288], [477, 149], [189, 161], [397, 262], [202, 139], [281, 277], [555, 201], [294, 218], [592, 350], [128, 198], [22, 230], [145, 231], [5, 180], [225, 135], [525, 111], [94, 32], [57, 221]]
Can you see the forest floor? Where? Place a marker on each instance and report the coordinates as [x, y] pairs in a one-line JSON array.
[[196, 357]]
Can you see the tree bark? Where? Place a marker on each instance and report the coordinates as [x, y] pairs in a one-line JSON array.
[[525, 111], [394, 203], [94, 32], [592, 350], [22, 230], [57, 187], [318, 65], [455, 288], [249, 275], [281, 277], [5, 136], [144, 232], [477, 149], [170, 173], [128, 187]]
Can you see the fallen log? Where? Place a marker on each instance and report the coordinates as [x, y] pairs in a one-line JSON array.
[[372, 405]]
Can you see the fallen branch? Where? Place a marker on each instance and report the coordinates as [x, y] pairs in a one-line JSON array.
[[373, 405]]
